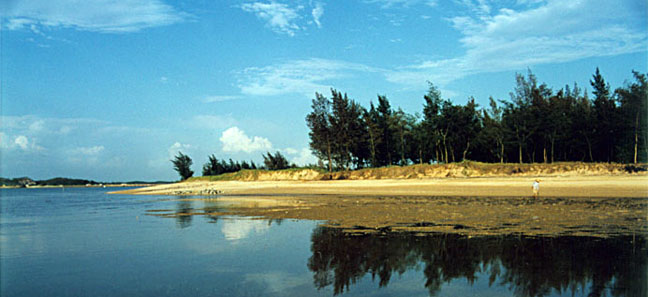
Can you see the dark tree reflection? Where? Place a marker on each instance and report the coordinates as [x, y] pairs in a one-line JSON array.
[[183, 213], [528, 266]]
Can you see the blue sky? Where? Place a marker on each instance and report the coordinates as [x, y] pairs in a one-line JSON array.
[[111, 90]]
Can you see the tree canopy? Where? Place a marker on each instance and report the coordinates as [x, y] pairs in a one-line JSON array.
[[536, 124], [182, 164]]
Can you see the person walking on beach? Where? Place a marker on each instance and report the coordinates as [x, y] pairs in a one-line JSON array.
[[536, 188]]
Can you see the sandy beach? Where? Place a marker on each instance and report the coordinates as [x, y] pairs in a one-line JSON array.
[[600, 206], [554, 186]]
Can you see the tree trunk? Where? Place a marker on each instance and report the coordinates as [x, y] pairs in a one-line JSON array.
[[402, 148], [589, 148], [544, 153], [636, 137], [553, 140], [501, 152], [520, 151], [328, 151], [445, 148], [372, 143], [421, 155], [465, 151]]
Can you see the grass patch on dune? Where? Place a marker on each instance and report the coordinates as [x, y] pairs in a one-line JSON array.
[[459, 169], [254, 174]]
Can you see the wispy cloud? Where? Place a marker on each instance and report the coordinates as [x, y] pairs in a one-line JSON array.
[[235, 140], [213, 122], [88, 151], [317, 13], [104, 16], [298, 76], [220, 98], [553, 32], [177, 147], [35, 125], [279, 17], [402, 3], [278, 282]]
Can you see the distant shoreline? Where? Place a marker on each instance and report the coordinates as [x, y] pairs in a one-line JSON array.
[[77, 186]]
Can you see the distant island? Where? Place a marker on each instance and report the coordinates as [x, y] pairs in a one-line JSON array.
[[26, 182]]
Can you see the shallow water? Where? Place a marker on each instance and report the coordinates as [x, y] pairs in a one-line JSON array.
[[83, 242]]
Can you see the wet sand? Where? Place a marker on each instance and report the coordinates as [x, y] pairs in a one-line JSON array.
[[601, 206]]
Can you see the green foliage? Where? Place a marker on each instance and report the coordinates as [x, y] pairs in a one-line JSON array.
[[276, 161], [182, 164], [537, 124], [217, 167], [321, 131]]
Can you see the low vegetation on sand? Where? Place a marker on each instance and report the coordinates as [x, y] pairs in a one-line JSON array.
[[462, 169]]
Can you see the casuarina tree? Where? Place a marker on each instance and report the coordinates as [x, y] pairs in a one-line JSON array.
[[182, 164]]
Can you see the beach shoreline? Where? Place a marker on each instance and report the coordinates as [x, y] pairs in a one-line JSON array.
[[635, 186], [600, 206]]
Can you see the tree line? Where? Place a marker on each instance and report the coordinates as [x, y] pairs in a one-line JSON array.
[[182, 164], [537, 124]]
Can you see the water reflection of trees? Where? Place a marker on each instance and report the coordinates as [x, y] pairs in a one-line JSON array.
[[183, 215], [528, 266], [212, 210]]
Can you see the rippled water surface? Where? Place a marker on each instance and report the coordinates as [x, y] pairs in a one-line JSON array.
[[83, 242]]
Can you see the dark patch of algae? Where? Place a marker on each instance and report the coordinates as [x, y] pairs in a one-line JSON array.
[[472, 216]]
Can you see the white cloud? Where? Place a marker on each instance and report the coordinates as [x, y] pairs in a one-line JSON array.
[[19, 142], [22, 142], [105, 16], [317, 13], [302, 157], [177, 147], [298, 76], [235, 140], [235, 230], [279, 17], [552, 32]]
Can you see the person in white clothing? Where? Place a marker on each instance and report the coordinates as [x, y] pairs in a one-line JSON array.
[[536, 188]]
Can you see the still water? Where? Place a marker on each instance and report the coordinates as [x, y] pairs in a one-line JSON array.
[[83, 242]]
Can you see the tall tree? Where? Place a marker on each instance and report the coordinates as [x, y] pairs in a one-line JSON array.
[[321, 131], [605, 110], [182, 164], [493, 132], [386, 147], [518, 116], [634, 107], [346, 121], [374, 139], [431, 123]]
